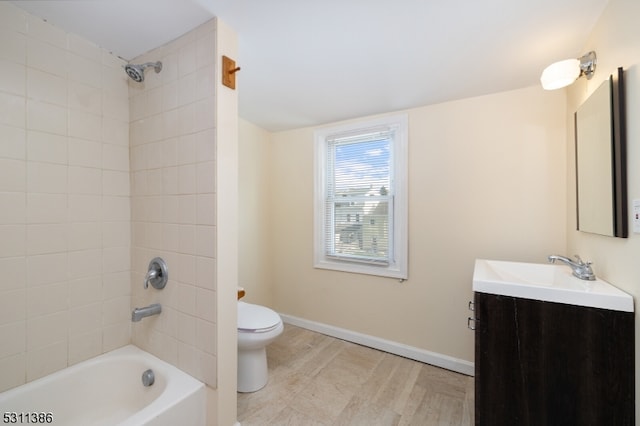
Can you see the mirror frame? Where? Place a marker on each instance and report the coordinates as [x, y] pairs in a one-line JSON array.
[[619, 207], [619, 155]]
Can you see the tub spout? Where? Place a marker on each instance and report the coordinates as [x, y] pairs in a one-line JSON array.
[[138, 313]]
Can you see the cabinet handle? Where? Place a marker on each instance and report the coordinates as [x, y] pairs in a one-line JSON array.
[[471, 323], [472, 306]]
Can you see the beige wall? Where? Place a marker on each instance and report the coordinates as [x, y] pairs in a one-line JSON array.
[[64, 199], [256, 248], [486, 180], [616, 40]]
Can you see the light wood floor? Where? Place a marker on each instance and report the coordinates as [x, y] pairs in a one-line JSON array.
[[319, 380]]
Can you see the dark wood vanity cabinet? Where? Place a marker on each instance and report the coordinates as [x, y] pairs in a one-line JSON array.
[[542, 363]]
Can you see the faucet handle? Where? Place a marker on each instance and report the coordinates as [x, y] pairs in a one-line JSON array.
[[151, 275], [584, 270], [157, 275], [582, 263]]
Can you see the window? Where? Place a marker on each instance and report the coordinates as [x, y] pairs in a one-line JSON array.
[[361, 197]]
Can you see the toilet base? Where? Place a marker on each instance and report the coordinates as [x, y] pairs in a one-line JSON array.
[[252, 369]]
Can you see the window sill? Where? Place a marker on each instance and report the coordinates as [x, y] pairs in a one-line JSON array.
[[388, 271]]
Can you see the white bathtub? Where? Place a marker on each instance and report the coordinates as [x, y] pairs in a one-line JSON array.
[[108, 390]]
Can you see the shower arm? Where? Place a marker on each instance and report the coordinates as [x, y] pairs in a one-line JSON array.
[[157, 66]]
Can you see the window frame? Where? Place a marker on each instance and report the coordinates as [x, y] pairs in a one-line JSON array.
[[397, 267]]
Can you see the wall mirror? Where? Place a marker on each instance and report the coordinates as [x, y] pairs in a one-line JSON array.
[[601, 176]]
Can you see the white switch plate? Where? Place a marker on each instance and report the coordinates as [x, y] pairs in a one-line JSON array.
[[636, 216]]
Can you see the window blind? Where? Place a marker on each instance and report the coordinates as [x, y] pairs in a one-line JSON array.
[[359, 196]]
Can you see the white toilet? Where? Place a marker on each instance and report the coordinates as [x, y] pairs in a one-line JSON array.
[[257, 327]]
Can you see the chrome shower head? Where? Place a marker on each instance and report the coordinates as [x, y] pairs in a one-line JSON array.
[[136, 72]]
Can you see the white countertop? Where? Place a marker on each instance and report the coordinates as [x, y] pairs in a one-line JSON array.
[[547, 282]]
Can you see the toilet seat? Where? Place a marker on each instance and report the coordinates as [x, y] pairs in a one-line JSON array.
[[256, 318]]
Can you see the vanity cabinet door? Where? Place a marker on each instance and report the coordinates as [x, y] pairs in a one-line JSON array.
[[542, 363]]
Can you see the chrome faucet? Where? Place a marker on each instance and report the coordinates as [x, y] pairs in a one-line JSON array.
[[157, 275], [151, 275], [138, 313], [580, 269]]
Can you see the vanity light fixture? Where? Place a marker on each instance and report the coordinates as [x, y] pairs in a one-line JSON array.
[[564, 73]]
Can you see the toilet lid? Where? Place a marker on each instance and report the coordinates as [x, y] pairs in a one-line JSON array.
[[256, 317]]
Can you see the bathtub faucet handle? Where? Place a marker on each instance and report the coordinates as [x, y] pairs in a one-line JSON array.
[[151, 275], [157, 275]]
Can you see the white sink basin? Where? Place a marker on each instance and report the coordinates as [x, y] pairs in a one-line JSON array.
[[547, 282]]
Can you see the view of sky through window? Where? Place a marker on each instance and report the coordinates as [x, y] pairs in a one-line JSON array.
[[362, 165]]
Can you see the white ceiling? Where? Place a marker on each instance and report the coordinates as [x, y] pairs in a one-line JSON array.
[[311, 62]]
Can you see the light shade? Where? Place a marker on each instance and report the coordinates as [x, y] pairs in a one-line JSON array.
[[560, 74]]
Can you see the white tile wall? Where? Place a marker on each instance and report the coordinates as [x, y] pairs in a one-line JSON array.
[[173, 200], [88, 163], [65, 227]]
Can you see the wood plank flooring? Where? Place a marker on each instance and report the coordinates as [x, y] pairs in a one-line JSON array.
[[320, 380]]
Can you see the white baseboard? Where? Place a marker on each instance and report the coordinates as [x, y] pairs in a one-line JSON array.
[[428, 357]]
